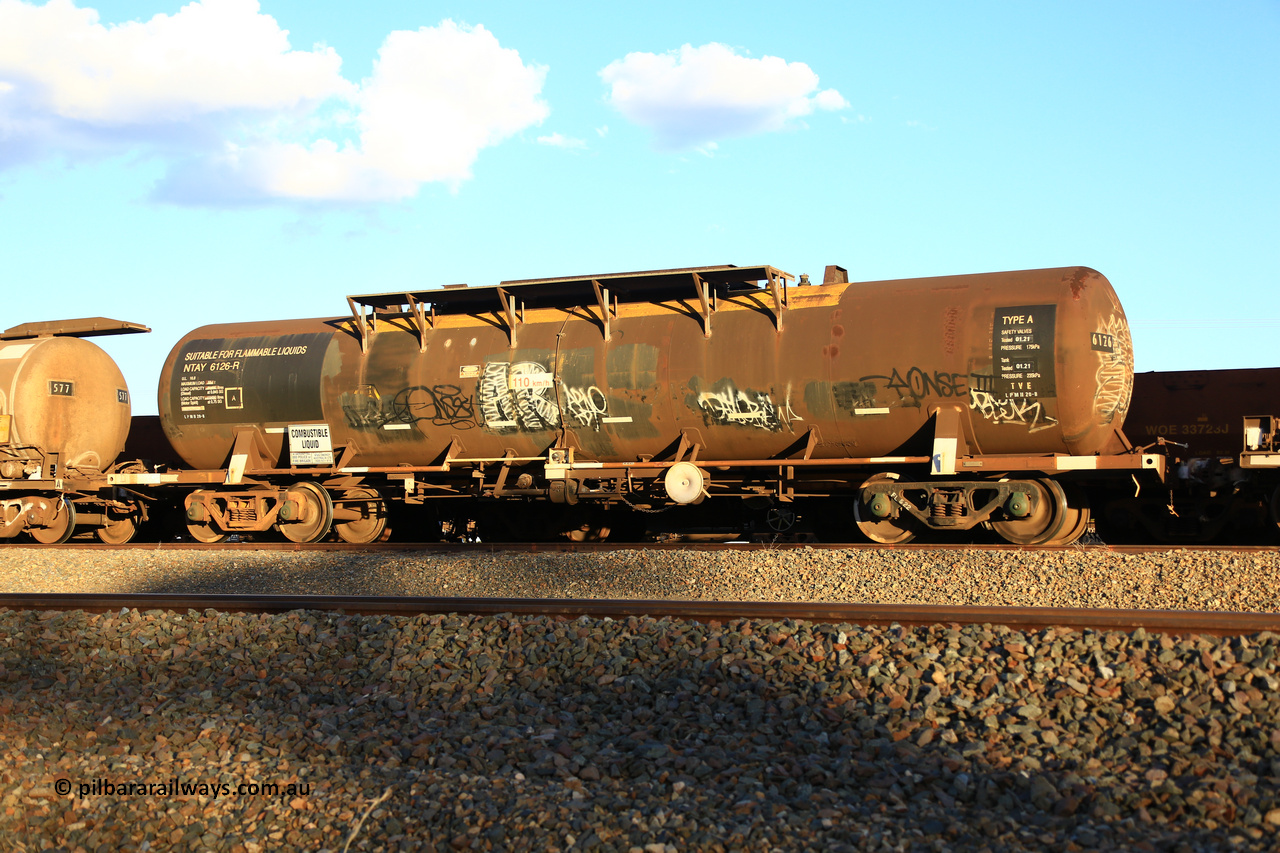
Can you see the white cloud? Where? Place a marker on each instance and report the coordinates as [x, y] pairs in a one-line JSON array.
[[209, 57], [216, 89], [697, 95], [557, 140], [830, 99]]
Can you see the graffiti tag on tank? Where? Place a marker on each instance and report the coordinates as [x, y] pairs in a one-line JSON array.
[[852, 396], [586, 406], [519, 396], [362, 408], [437, 405], [523, 396], [1114, 347], [903, 388], [877, 393], [1005, 410], [730, 406]]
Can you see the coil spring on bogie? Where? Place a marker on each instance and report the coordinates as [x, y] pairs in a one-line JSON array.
[[242, 511], [947, 505]]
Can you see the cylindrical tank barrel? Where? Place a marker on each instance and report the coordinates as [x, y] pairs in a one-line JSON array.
[[64, 396], [1035, 362]]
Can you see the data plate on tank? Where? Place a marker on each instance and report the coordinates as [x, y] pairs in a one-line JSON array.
[[1023, 353], [252, 379]]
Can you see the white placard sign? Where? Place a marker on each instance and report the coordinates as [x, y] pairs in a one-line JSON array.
[[310, 444]]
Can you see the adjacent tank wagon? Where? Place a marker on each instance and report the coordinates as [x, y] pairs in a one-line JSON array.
[[64, 418], [896, 406]]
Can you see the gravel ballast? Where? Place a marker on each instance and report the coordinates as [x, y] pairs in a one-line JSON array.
[[495, 733], [1088, 577]]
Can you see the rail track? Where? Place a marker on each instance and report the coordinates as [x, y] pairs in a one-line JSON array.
[[607, 547], [1023, 618]]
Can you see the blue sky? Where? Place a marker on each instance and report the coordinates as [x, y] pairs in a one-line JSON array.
[[242, 161]]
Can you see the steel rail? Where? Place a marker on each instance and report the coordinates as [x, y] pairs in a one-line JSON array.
[[1023, 618], [571, 547]]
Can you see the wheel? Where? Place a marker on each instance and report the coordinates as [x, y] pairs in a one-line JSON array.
[[315, 515], [118, 530], [371, 526], [588, 533], [1075, 520], [881, 519], [780, 518], [60, 528], [205, 532], [203, 529], [1047, 518]]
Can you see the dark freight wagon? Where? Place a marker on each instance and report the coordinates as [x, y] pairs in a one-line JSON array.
[[1221, 484]]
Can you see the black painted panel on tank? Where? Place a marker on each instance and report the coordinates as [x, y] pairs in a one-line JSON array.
[[1023, 351], [261, 379]]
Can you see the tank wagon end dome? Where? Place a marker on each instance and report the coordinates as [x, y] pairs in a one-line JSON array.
[[63, 396], [1035, 361]]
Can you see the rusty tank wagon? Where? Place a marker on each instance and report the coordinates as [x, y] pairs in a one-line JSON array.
[[64, 418], [690, 398]]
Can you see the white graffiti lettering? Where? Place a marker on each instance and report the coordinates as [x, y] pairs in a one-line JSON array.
[[531, 405], [1115, 371], [748, 408], [788, 413], [1011, 410], [586, 405]]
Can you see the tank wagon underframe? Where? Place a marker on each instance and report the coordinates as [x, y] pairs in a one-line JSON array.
[[1025, 499], [653, 391]]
